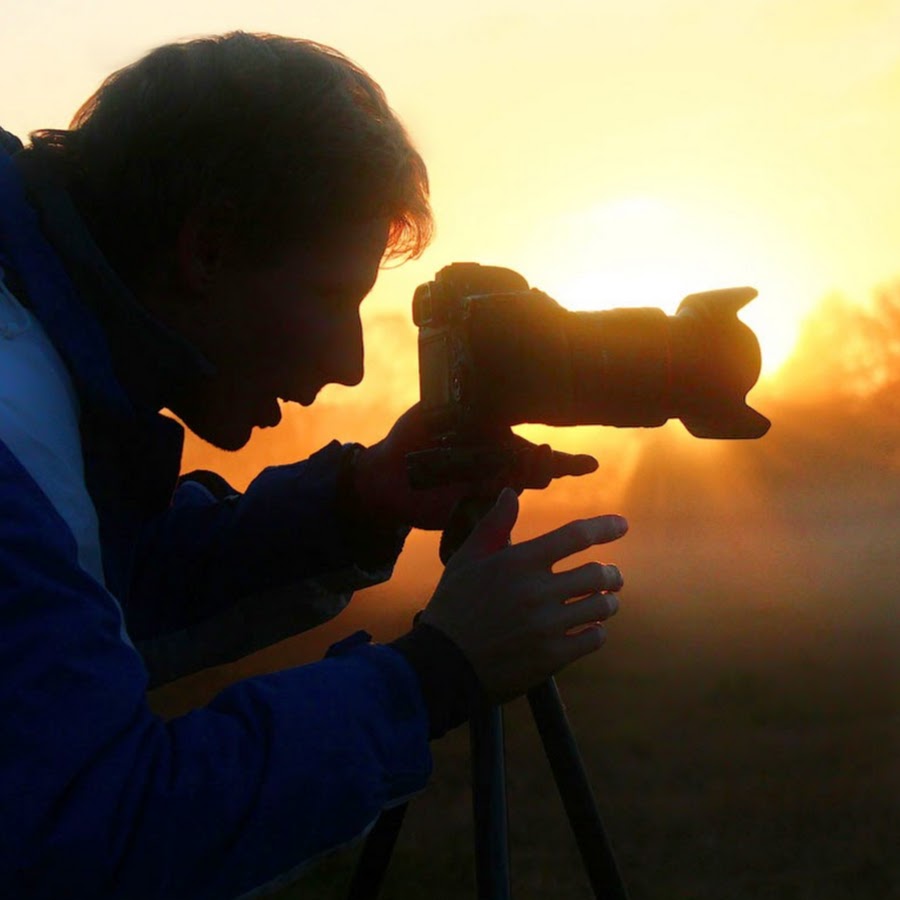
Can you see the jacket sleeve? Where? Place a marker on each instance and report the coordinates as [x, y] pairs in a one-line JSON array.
[[100, 798], [217, 578]]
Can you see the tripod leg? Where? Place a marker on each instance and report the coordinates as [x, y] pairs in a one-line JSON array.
[[376, 854], [489, 804], [575, 791]]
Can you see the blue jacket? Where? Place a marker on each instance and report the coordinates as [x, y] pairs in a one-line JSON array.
[[111, 580]]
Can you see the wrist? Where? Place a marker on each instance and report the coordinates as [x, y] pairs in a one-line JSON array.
[[450, 688]]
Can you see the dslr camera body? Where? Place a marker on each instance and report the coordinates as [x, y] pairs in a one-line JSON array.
[[495, 353]]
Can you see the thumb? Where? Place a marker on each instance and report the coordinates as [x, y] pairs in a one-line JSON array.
[[493, 530]]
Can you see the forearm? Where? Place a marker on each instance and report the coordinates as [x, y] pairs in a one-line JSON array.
[[275, 771], [288, 535], [98, 797]]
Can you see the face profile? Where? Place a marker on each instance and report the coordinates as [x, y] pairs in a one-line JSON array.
[[276, 331]]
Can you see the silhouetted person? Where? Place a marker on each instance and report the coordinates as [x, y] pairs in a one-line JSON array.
[[201, 241]]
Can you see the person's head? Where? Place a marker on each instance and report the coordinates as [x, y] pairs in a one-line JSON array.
[[247, 188]]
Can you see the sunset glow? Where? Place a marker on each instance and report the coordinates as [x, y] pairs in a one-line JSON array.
[[640, 251], [614, 155]]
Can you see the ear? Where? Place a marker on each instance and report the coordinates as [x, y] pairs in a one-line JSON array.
[[203, 246]]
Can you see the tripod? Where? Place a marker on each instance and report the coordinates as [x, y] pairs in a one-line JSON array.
[[489, 788]]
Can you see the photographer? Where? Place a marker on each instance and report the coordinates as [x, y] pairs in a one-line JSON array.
[[200, 241]]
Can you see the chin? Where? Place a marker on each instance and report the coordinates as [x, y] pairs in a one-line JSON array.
[[226, 424], [231, 435], [230, 443]]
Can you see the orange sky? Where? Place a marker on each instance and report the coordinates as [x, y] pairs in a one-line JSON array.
[[615, 154]]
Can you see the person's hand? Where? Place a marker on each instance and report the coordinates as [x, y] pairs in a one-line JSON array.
[[381, 481], [516, 620]]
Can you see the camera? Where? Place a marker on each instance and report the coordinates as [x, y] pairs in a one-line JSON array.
[[495, 353]]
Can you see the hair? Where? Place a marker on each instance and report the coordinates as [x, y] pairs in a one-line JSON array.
[[290, 135]]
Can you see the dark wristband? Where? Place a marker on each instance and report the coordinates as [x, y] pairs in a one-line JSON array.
[[450, 687]]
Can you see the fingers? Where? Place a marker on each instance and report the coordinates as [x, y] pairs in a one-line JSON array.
[[567, 619], [574, 646], [595, 608], [567, 648], [571, 538], [492, 532], [587, 579], [581, 629]]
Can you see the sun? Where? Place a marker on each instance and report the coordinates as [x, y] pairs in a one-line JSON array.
[[646, 251]]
